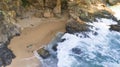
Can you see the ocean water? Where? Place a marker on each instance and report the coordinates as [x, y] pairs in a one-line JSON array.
[[89, 49], [98, 48], [116, 10]]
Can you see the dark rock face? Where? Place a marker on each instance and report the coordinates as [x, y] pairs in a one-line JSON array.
[[74, 26], [43, 53], [6, 56], [115, 27], [7, 31]]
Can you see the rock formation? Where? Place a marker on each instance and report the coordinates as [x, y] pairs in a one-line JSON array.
[[115, 27], [7, 31]]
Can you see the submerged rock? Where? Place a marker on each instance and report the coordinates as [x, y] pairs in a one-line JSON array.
[[76, 50], [55, 47]]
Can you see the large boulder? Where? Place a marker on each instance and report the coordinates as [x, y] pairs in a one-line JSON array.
[[74, 26]]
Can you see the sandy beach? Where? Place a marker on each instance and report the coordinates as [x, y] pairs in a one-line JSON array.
[[36, 33]]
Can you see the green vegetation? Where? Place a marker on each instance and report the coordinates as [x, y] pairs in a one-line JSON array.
[[25, 3]]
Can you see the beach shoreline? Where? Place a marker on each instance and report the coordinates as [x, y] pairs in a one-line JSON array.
[[35, 35]]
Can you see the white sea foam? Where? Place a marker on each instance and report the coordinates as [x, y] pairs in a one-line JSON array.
[[116, 10], [96, 50], [100, 50]]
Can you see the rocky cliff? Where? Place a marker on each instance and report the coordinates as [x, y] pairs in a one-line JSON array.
[[7, 31]]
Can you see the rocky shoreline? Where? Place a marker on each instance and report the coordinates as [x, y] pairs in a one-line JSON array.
[[80, 12], [7, 32], [79, 25]]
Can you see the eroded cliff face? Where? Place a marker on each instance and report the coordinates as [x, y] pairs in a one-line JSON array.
[[52, 8]]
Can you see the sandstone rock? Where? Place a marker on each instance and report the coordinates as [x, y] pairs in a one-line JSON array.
[[43, 53], [88, 10], [57, 9], [48, 13], [39, 14]]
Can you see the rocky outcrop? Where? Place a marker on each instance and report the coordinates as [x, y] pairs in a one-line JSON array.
[[80, 24], [6, 56], [7, 31], [89, 10], [85, 11], [73, 26], [115, 27]]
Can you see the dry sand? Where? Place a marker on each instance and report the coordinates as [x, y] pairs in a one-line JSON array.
[[37, 32]]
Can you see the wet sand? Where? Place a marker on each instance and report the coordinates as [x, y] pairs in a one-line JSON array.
[[36, 34]]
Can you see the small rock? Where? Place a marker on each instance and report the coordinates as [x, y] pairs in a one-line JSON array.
[[62, 40], [76, 50], [54, 47], [29, 46], [43, 53]]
